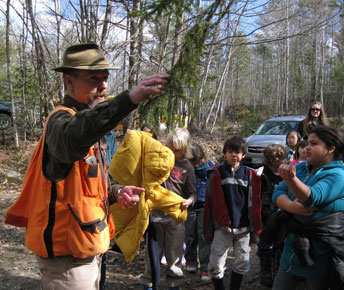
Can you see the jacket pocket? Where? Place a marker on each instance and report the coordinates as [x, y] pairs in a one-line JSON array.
[[88, 232], [90, 173]]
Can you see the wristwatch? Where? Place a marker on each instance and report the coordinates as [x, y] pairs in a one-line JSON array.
[[114, 194]]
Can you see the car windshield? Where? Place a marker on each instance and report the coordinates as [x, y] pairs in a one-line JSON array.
[[277, 127]]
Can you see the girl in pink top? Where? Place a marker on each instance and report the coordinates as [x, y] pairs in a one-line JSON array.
[[300, 153]]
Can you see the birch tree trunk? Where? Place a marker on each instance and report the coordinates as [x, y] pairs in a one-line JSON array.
[[23, 68], [41, 70], [322, 63], [287, 65], [176, 54], [225, 70], [9, 76], [163, 44], [197, 108], [107, 19], [58, 51], [134, 57]]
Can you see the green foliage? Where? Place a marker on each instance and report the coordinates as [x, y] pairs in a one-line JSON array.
[[264, 50], [152, 10], [309, 58], [186, 74], [18, 160], [299, 82], [250, 123], [337, 122], [337, 75]]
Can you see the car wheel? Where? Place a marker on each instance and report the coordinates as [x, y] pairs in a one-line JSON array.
[[5, 121]]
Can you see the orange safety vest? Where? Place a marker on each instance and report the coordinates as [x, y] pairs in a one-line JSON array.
[[67, 217]]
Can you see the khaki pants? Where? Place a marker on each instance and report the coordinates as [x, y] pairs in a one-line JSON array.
[[67, 272], [219, 250], [170, 238]]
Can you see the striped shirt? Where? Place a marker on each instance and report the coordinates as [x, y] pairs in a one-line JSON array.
[[235, 185]]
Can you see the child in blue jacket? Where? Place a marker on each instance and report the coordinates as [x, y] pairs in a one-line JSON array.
[[194, 238], [313, 193]]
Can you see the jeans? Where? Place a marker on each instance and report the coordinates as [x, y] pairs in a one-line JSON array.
[[194, 239]]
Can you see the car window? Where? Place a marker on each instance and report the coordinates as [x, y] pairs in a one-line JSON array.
[[277, 127]]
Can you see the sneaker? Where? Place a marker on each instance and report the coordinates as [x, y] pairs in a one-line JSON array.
[[146, 287], [183, 261], [205, 277], [163, 261], [191, 268]]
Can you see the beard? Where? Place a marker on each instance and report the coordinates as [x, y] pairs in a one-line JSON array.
[[97, 99]]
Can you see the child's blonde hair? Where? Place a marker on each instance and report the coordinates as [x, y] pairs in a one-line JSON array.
[[180, 139]]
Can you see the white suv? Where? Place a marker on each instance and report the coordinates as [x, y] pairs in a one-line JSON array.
[[272, 131]]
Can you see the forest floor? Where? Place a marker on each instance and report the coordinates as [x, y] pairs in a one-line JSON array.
[[18, 266]]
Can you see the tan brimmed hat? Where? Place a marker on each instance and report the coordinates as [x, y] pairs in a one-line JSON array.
[[86, 56]]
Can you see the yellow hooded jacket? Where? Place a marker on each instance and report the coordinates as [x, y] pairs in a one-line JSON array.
[[142, 161]]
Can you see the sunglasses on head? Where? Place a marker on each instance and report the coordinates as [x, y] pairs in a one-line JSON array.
[[315, 109]]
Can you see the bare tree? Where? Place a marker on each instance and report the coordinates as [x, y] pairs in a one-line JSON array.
[[135, 36], [9, 75], [23, 67], [41, 65], [287, 57]]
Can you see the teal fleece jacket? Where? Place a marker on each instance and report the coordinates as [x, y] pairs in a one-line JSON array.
[[327, 195]]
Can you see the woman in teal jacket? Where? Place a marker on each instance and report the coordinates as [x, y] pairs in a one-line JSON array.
[[312, 190]]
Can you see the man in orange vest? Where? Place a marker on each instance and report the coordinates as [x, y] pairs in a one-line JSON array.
[[66, 194]]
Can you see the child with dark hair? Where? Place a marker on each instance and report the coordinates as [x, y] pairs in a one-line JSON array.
[[300, 153], [292, 139], [313, 195], [194, 238], [232, 212]]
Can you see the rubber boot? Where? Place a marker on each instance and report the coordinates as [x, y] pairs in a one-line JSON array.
[[218, 284], [235, 281], [266, 270]]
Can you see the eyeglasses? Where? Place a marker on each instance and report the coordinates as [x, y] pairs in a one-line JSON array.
[[315, 110]]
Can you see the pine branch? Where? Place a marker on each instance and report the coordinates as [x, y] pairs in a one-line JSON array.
[[186, 74]]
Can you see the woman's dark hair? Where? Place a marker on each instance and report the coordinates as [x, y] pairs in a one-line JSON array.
[[299, 138], [235, 143], [198, 155], [331, 137], [301, 144]]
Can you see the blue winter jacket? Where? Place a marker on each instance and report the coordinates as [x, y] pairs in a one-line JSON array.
[[327, 195], [201, 176]]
